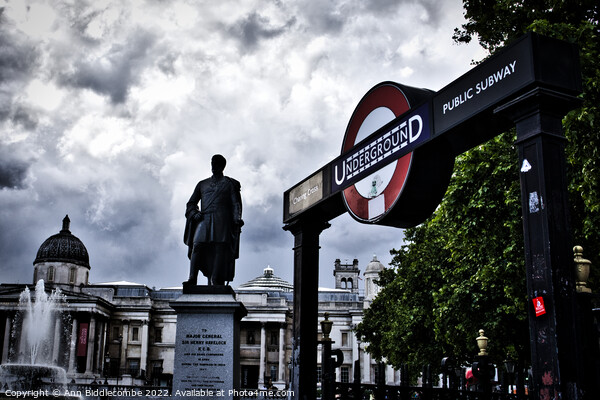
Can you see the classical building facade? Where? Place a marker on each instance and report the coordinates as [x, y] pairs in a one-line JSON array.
[[124, 332]]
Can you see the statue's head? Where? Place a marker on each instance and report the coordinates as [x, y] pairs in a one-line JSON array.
[[218, 163]]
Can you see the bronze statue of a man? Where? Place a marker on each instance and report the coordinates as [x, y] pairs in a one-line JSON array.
[[212, 232]]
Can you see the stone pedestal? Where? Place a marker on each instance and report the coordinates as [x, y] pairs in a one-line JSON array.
[[207, 345]]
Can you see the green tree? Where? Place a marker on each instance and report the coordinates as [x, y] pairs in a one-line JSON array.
[[497, 22], [460, 271], [463, 269]]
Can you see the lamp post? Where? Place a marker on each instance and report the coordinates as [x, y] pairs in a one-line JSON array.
[[326, 341], [357, 377], [509, 366], [106, 367]]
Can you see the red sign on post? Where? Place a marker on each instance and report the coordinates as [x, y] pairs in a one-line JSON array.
[[538, 303]]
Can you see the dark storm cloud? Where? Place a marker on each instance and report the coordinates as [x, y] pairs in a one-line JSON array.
[[25, 118], [169, 74], [12, 173], [17, 56], [115, 72], [17, 59], [254, 28]]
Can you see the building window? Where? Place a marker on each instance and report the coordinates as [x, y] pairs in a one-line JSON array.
[[350, 283], [51, 273], [319, 374], [345, 374], [135, 334], [273, 373], [274, 338], [344, 339], [72, 273], [116, 332], [250, 338], [157, 369], [343, 283], [158, 335], [133, 366]]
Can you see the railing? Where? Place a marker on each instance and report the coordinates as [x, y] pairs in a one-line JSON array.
[[350, 391], [102, 390]]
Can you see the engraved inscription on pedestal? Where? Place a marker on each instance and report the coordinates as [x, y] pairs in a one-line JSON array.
[[205, 354], [207, 345]]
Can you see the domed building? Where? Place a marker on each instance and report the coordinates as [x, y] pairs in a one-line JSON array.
[[123, 333], [62, 259]]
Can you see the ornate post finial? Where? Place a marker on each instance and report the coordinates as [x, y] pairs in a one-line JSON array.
[[582, 270], [326, 326], [482, 343]]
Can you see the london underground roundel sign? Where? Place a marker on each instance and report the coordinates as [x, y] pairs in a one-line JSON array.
[[370, 198], [375, 198]]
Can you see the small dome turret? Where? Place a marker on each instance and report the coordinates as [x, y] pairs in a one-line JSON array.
[[267, 281], [371, 276], [374, 266]]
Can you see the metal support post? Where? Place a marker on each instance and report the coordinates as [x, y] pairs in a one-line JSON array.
[[553, 325], [306, 287]]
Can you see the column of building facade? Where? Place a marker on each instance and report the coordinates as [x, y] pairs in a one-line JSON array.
[[123, 356], [144, 350], [366, 368], [56, 344], [100, 347], [91, 342], [263, 355], [355, 355], [6, 344], [281, 371], [72, 347], [22, 344]]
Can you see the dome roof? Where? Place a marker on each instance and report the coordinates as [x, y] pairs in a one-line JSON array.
[[63, 247], [374, 266], [267, 281]]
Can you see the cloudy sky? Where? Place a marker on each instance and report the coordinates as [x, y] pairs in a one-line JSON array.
[[111, 110]]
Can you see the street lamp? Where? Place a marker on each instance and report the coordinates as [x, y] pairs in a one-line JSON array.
[[326, 361], [106, 367], [509, 366], [357, 377]]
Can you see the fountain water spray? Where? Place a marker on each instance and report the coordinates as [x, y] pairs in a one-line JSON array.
[[39, 319], [36, 358]]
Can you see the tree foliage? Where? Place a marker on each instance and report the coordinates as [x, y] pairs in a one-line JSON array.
[[495, 23], [463, 269]]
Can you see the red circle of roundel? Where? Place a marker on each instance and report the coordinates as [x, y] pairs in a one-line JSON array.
[[389, 96]]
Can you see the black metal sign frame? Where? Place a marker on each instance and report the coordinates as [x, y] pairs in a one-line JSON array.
[[530, 84]]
